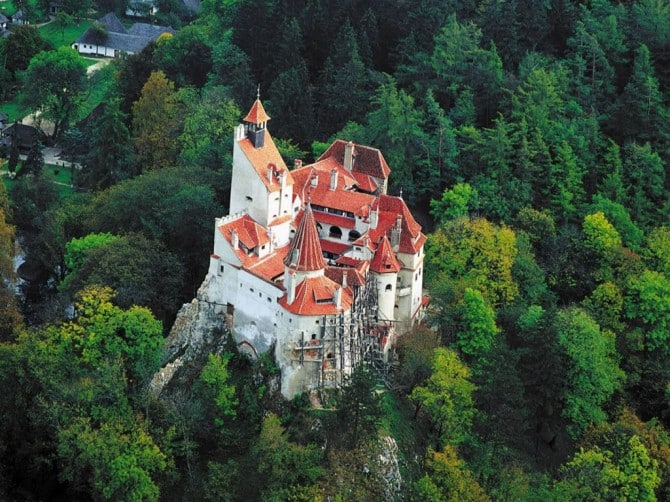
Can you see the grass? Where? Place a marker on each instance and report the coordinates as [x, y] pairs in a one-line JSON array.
[[58, 38], [61, 176], [101, 81], [14, 109]]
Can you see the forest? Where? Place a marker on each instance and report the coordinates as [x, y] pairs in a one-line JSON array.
[[532, 141]]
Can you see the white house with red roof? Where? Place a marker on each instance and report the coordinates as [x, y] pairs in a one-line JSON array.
[[318, 261]]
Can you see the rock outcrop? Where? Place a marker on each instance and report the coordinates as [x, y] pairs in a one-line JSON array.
[[199, 329]]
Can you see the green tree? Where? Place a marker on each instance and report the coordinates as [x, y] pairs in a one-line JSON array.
[[644, 175], [119, 458], [56, 83], [284, 465], [461, 63], [456, 202], [447, 478], [110, 157], [231, 69], [595, 475], [156, 123], [23, 42], [648, 304], [141, 271], [186, 58], [477, 329], [210, 117], [447, 397], [657, 250], [593, 372], [345, 83], [215, 377], [358, 406]]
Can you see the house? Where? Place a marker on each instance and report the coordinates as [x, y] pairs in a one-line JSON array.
[[18, 18], [318, 263], [26, 135], [108, 37], [141, 8]]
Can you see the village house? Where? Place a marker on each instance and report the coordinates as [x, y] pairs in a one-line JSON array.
[[108, 37], [318, 263]]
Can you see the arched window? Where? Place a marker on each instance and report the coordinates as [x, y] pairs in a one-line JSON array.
[[335, 232], [353, 235], [388, 287]]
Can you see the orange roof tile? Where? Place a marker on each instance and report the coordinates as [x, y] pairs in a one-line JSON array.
[[264, 158], [271, 267], [337, 274], [366, 182], [338, 248], [368, 160], [305, 253], [384, 260], [334, 219], [250, 233], [315, 296], [257, 114]]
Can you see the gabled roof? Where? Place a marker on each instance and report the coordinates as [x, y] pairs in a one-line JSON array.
[[305, 254], [151, 31], [368, 160], [132, 40], [411, 238], [112, 23], [384, 260], [257, 114], [316, 296]]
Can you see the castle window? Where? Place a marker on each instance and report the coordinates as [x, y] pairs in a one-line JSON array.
[[335, 232], [354, 234], [249, 198], [251, 289], [221, 269], [269, 299], [260, 295], [388, 287]]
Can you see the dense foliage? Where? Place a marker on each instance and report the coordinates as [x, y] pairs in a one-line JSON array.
[[532, 139]]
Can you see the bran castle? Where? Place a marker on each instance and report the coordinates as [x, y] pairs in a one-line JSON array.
[[317, 262]]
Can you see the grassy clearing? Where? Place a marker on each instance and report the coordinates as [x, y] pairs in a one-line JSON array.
[[66, 37], [61, 176], [14, 109]]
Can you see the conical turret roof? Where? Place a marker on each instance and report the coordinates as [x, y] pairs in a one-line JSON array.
[[384, 261], [305, 254]]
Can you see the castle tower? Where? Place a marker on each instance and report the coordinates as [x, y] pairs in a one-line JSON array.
[[255, 123], [385, 267], [305, 257]]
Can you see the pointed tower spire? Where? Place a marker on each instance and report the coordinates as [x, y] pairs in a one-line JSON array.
[[256, 121], [384, 260], [305, 253]]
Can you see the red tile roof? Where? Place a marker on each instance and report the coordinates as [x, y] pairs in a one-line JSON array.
[[250, 233], [270, 267], [315, 296], [366, 182], [305, 253], [384, 260], [368, 160], [334, 247], [264, 158], [257, 114], [334, 219], [337, 274]]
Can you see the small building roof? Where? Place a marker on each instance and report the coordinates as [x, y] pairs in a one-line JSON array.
[[316, 296], [112, 23], [368, 160]]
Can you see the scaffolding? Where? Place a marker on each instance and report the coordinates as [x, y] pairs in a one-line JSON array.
[[346, 341]]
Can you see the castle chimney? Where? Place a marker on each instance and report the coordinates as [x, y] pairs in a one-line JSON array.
[[333, 179], [349, 156], [374, 218], [270, 166], [395, 233], [235, 239], [315, 180], [337, 297], [290, 286], [297, 164], [344, 278], [282, 178]]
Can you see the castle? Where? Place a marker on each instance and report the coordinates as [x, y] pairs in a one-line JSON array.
[[317, 262]]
